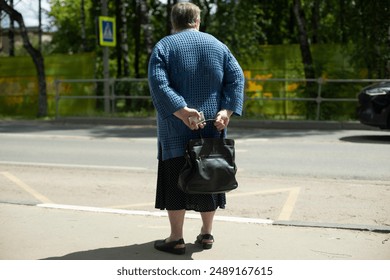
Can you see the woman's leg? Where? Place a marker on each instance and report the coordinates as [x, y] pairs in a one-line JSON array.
[[174, 243], [205, 237], [207, 222], [176, 220]]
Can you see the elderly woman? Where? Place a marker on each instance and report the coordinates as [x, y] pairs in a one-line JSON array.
[[190, 72]]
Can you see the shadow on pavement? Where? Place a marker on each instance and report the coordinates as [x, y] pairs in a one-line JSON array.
[[141, 129], [143, 251], [94, 130], [367, 139]]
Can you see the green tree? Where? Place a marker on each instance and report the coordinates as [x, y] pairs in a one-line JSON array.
[[369, 23], [238, 25], [35, 54], [75, 29]]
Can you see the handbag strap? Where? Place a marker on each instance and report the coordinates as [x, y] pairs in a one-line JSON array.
[[209, 120]]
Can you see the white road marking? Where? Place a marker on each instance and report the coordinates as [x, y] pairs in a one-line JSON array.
[[149, 213], [26, 187], [131, 205], [285, 213], [289, 205]]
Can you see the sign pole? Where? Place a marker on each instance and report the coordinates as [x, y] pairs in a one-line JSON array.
[[106, 67]]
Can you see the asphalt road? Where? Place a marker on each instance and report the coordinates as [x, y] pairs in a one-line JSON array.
[[337, 154]]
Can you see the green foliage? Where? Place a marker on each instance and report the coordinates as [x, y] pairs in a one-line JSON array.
[[277, 22], [66, 18], [238, 25], [361, 26], [369, 22], [349, 39]]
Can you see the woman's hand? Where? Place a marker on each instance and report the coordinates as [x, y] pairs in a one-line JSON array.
[[222, 119], [185, 114]]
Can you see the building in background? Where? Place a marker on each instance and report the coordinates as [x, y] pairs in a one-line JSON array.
[[33, 33]]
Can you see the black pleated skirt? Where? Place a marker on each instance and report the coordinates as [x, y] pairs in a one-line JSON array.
[[170, 197]]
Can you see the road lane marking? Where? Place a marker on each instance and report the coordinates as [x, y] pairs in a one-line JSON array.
[[372, 228], [40, 197], [149, 213], [288, 206], [285, 213], [132, 205]]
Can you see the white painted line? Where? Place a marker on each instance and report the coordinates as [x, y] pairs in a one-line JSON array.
[[102, 210], [289, 205], [64, 165], [243, 220], [149, 213], [26, 187], [248, 138], [131, 205]]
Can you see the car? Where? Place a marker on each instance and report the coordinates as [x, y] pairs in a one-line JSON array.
[[374, 105]]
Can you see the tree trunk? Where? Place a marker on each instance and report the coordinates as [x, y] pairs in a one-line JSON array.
[[304, 41], [124, 43], [11, 33], [137, 37], [40, 25], [123, 48], [83, 33], [146, 26], [119, 26], [35, 54], [310, 88]]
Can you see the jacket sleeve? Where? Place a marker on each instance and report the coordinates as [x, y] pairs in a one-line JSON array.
[[165, 99], [233, 86]]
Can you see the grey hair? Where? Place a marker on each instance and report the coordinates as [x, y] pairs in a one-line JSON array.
[[184, 15]]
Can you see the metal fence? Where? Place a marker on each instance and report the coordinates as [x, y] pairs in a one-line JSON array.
[[279, 96], [91, 93]]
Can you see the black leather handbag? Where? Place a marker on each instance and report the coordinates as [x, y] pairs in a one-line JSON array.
[[210, 166]]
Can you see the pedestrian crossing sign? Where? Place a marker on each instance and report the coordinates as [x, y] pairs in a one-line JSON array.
[[107, 31]]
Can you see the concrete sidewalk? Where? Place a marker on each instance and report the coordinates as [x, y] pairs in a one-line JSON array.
[[36, 232]]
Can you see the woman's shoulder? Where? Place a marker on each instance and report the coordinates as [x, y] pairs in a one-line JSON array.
[[211, 38], [186, 38]]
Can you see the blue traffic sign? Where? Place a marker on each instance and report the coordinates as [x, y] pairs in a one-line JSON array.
[[107, 31]]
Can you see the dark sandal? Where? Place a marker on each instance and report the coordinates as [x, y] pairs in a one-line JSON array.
[[170, 247], [206, 240]]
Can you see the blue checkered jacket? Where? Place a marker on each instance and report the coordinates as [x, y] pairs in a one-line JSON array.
[[193, 69]]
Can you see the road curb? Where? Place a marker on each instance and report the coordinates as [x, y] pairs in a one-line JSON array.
[[372, 228]]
